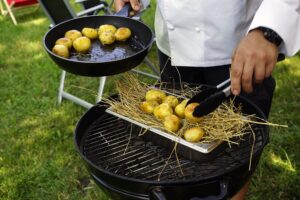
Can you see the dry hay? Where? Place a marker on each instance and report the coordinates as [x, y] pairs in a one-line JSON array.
[[226, 123]]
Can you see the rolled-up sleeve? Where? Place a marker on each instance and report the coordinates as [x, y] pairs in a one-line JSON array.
[[282, 16]]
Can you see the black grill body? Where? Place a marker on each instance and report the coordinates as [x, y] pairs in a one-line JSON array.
[[129, 166]]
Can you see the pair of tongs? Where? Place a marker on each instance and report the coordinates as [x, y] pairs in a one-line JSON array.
[[210, 98]]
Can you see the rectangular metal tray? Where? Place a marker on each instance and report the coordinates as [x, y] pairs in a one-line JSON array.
[[204, 148]]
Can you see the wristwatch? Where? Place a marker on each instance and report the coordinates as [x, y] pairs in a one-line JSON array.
[[271, 35]]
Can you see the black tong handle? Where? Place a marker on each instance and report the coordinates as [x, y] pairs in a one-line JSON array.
[[212, 102]]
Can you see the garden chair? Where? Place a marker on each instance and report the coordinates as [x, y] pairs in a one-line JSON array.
[[59, 11], [14, 5]]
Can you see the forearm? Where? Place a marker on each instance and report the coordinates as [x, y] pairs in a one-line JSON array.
[[282, 16]]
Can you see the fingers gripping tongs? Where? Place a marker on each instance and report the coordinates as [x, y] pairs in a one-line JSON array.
[[211, 98]]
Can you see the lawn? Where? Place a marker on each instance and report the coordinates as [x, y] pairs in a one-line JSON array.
[[37, 155]]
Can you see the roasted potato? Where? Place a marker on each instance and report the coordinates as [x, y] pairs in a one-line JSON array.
[[172, 123], [148, 106], [188, 113], [82, 44], [106, 28], [61, 50], [162, 111], [122, 34], [64, 41], [73, 34], [171, 100], [179, 109], [194, 134], [107, 38], [155, 95], [90, 33]]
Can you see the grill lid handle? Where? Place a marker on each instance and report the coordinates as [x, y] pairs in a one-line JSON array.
[[156, 193], [222, 195]]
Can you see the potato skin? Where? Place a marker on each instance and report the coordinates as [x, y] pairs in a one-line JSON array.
[[105, 28], [61, 50], [91, 33], [188, 113], [148, 106], [155, 95], [73, 34], [64, 41], [82, 44], [107, 38], [194, 134], [122, 34], [180, 108], [171, 100], [172, 123], [162, 111]]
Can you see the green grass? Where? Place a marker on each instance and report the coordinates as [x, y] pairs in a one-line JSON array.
[[38, 159]]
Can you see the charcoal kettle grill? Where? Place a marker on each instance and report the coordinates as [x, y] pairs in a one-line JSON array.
[[128, 166]]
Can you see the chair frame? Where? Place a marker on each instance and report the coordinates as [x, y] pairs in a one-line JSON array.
[[102, 80], [10, 8]]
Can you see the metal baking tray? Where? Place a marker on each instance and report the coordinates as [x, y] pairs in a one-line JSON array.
[[204, 148]]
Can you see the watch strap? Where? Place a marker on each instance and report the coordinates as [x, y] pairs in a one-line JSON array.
[[271, 35]]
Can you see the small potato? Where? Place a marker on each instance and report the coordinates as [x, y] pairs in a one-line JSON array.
[[82, 44], [193, 134], [90, 33], [61, 50], [179, 109], [188, 113], [73, 34], [162, 111], [105, 28], [64, 41], [107, 38], [155, 95], [122, 34], [148, 106], [171, 100], [172, 123]]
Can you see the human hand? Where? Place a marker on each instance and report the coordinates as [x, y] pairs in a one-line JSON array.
[[253, 60], [135, 4]]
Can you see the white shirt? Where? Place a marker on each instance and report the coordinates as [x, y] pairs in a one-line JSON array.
[[206, 32]]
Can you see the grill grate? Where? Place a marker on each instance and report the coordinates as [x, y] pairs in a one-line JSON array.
[[114, 145]]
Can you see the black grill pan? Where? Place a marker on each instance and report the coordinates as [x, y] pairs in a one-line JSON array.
[[102, 60]]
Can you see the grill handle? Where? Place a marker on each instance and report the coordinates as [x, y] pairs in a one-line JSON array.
[[156, 193], [222, 195]]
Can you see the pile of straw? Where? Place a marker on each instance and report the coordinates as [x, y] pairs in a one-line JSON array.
[[226, 123]]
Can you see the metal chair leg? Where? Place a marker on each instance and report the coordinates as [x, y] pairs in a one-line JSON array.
[[152, 67], [101, 88], [62, 94], [1, 8], [61, 86], [8, 7]]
